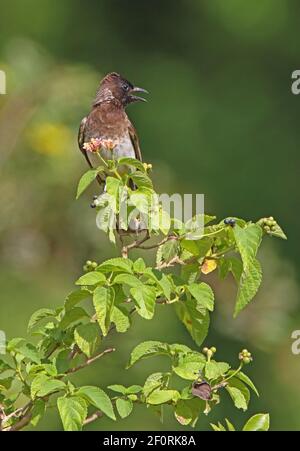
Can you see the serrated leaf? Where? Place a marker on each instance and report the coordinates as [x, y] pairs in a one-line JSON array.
[[195, 318], [38, 316], [244, 378], [116, 265], [259, 422], [120, 317], [203, 294], [169, 250], [153, 382], [238, 397], [38, 411], [141, 180], [87, 338], [103, 300], [189, 365], [51, 386], [72, 316], [98, 398], [214, 369], [91, 278], [132, 162], [147, 349], [183, 413], [85, 181], [144, 297], [162, 396], [124, 407], [75, 297], [247, 240], [28, 351], [127, 279], [73, 412], [249, 284]]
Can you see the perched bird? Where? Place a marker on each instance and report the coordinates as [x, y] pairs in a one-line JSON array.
[[107, 128]]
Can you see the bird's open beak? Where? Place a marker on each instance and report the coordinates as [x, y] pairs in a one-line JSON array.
[[134, 98]]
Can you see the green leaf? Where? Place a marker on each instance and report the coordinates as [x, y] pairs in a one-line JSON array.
[[214, 369], [72, 316], [144, 297], [50, 386], [28, 350], [187, 410], [278, 232], [230, 426], [98, 398], [38, 411], [127, 279], [162, 396], [38, 316], [259, 422], [75, 297], [195, 318], [169, 250], [112, 187], [249, 284], [91, 278], [198, 248], [133, 389], [73, 412], [103, 300], [132, 162], [203, 294], [118, 389], [116, 265], [124, 407], [139, 266], [120, 317], [86, 180], [141, 180], [238, 397], [244, 378], [147, 349], [189, 365], [154, 381], [87, 338], [248, 240], [183, 412]]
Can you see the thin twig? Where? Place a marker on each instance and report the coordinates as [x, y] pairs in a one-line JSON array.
[[93, 417], [90, 361]]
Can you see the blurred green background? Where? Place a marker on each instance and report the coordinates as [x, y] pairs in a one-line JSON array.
[[221, 120]]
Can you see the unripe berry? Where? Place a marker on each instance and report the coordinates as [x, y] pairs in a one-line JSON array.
[[209, 353], [246, 360], [204, 350], [213, 349]]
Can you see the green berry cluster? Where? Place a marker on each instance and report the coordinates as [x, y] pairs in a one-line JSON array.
[[90, 266], [269, 224], [209, 351], [245, 356]]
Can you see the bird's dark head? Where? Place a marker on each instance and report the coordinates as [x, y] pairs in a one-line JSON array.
[[113, 86]]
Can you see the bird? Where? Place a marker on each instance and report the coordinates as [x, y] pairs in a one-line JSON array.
[[107, 129]]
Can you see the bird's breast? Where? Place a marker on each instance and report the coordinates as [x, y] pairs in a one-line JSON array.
[[123, 148]]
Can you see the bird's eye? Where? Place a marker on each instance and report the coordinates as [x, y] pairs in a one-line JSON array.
[[125, 87]]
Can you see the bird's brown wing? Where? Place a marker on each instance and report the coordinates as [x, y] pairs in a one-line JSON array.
[[135, 141], [81, 143], [81, 140]]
